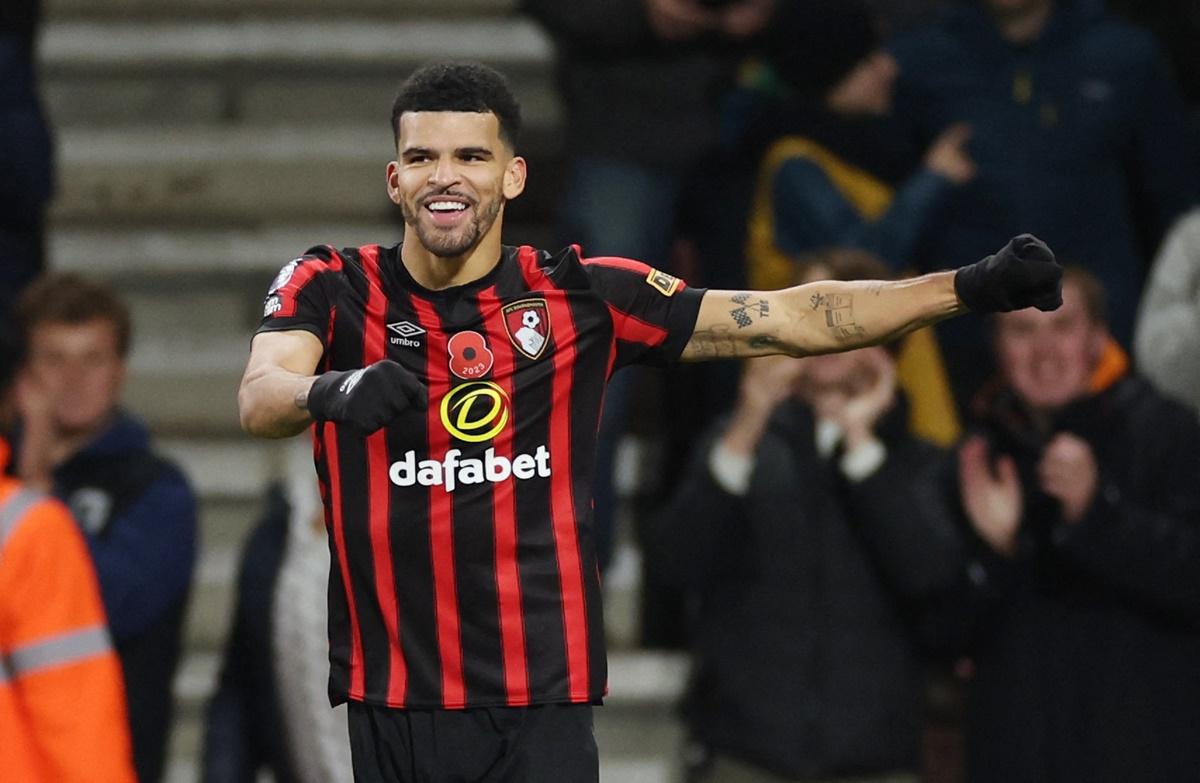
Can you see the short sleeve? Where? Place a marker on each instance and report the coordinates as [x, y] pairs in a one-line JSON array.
[[653, 313], [303, 294]]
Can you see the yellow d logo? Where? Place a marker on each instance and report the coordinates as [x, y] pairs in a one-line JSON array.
[[475, 412]]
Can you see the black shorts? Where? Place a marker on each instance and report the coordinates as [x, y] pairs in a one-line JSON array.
[[549, 743]]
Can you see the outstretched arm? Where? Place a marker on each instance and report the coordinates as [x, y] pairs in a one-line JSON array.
[[830, 316], [821, 317]]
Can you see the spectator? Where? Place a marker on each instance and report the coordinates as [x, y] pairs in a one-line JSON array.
[[640, 81], [811, 529], [62, 710], [1078, 133], [135, 508], [26, 165], [1084, 601], [836, 172], [1167, 341], [271, 709], [1176, 24]]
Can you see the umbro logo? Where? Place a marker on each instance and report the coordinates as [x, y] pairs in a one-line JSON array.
[[407, 331]]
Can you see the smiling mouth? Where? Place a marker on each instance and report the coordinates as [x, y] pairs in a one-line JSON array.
[[447, 213], [446, 207]]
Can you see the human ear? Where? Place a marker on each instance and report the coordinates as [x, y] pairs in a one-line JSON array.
[[514, 178], [393, 181]]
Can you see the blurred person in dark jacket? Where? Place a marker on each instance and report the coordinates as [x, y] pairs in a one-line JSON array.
[[271, 707], [1083, 604], [135, 508], [1061, 94], [26, 153], [835, 169], [811, 530]]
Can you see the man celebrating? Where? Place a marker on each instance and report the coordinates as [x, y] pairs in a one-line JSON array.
[[465, 621], [1084, 605]]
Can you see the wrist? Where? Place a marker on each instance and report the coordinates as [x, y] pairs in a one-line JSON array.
[[863, 459], [318, 395], [730, 470], [1005, 546], [745, 430]]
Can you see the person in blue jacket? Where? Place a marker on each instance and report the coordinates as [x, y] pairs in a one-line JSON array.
[[834, 170], [1060, 94], [135, 508]]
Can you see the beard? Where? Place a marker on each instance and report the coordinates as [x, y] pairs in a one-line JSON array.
[[458, 241]]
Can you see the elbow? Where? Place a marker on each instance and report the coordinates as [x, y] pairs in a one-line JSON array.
[[246, 412], [250, 415]]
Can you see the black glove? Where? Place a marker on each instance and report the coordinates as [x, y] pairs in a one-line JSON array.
[[1022, 274], [366, 399]]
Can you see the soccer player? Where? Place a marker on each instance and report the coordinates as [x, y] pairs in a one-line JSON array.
[[455, 385]]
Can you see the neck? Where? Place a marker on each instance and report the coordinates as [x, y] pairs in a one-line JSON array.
[[1026, 25], [44, 447], [67, 444], [438, 272]]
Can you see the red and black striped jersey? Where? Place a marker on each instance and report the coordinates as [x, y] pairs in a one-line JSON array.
[[463, 570]]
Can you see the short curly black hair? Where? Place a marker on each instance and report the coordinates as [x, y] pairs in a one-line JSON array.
[[460, 86]]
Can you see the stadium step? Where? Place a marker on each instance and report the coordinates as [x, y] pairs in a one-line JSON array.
[[223, 9], [274, 70], [243, 176]]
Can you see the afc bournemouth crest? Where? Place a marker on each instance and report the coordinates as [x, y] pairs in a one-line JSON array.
[[528, 326]]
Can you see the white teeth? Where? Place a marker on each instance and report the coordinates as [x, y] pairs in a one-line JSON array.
[[447, 206]]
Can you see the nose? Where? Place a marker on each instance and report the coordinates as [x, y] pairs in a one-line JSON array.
[[444, 173]]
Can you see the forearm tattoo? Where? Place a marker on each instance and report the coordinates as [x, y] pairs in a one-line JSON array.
[[714, 343], [746, 311], [839, 315]]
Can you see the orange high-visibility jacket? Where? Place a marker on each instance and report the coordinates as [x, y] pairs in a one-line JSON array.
[[62, 698]]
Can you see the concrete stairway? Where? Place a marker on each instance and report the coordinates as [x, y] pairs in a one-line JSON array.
[[204, 143]]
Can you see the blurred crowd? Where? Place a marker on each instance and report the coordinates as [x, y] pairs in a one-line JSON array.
[[1006, 511]]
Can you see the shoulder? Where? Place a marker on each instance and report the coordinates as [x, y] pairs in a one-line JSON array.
[[1122, 43], [1152, 413], [801, 172], [569, 268], [323, 263], [35, 519]]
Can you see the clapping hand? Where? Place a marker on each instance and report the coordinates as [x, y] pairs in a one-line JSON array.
[[1068, 473], [992, 498]]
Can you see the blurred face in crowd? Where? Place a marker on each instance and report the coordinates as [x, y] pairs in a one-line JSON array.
[[838, 375], [79, 370], [451, 177], [1048, 358], [1007, 9], [868, 88]]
